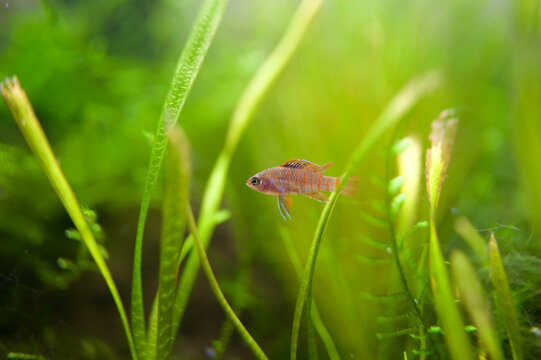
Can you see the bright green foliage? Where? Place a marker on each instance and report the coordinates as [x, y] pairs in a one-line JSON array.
[[438, 157], [444, 301], [188, 66], [475, 302], [465, 229], [176, 199], [274, 86], [316, 318], [23, 114], [505, 299], [249, 340], [251, 98], [397, 108]]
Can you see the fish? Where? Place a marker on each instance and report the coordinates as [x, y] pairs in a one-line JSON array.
[[299, 177]]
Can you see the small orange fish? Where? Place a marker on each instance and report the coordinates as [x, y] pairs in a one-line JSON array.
[[298, 177]]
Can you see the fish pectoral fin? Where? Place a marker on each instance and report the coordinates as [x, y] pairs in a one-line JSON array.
[[319, 196], [284, 203]]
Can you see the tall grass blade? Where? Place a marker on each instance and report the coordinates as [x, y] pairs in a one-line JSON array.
[[176, 197], [437, 160], [316, 318], [248, 339], [396, 109], [471, 292], [465, 229], [251, 98], [444, 301], [188, 66], [505, 299], [23, 113]]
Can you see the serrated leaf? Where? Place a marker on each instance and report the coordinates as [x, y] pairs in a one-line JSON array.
[[395, 184], [396, 333], [396, 204], [372, 261], [375, 243], [401, 145], [73, 234], [383, 298]]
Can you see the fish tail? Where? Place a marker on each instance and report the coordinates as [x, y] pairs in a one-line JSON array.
[[351, 186]]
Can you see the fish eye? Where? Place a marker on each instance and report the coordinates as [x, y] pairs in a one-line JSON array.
[[254, 181]]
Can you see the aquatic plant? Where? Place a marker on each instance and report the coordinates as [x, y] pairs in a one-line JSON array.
[[410, 268]]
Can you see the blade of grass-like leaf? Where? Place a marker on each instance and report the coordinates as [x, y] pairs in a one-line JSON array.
[[444, 301], [177, 178], [465, 229], [471, 292], [252, 96], [23, 113], [188, 66], [437, 160], [396, 109], [316, 318], [248, 339], [505, 298]]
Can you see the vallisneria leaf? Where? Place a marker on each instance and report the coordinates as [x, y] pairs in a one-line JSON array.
[[176, 197], [479, 246], [505, 299], [444, 301], [476, 303], [23, 113], [188, 66], [253, 94], [248, 339]]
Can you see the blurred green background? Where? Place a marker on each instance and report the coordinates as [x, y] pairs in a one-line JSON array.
[[97, 73]]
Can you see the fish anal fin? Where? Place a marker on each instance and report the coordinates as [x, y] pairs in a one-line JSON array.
[[319, 196], [306, 165], [284, 203]]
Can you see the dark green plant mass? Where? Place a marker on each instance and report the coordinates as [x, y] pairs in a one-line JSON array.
[[128, 130]]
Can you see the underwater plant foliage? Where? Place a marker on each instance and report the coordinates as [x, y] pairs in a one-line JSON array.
[[436, 257]]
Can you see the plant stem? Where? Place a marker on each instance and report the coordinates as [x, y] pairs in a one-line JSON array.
[[392, 234], [252, 344]]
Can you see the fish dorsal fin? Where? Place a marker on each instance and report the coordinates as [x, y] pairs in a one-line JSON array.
[[306, 165]]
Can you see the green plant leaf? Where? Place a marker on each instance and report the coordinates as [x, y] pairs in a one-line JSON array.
[[505, 298], [188, 66], [466, 230], [473, 299], [444, 301], [23, 113], [248, 339], [395, 184], [176, 197], [250, 99], [396, 109], [316, 318], [442, 138]]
